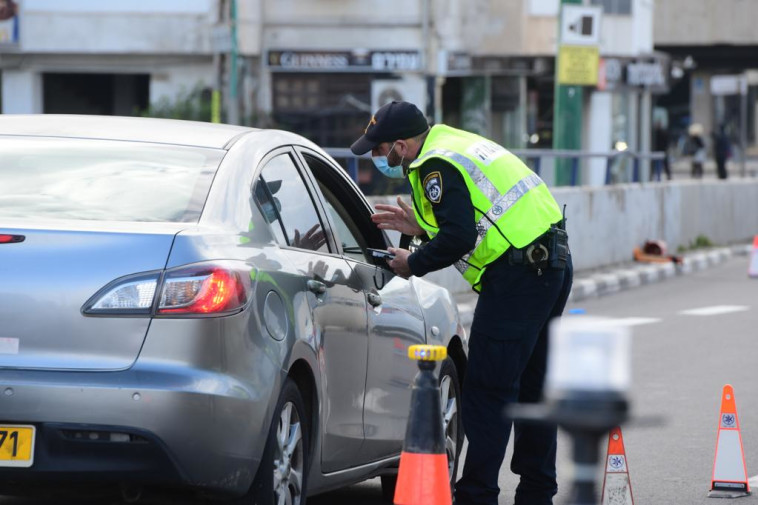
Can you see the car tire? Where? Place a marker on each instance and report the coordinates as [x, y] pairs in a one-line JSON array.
[[450, 397], [284, 465], [389, 482]]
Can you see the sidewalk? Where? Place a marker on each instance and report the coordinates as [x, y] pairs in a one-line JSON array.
[[681, 169], [611, 280]]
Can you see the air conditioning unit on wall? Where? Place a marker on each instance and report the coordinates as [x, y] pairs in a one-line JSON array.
[[409, 88]]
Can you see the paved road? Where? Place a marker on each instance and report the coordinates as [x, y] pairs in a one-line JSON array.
[[682, 357], [681, 360], [680, 363]]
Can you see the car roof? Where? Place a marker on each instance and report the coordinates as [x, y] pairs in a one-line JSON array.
[[137, 129]]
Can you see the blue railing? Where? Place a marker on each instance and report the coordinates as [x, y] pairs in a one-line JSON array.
[[536, 158]]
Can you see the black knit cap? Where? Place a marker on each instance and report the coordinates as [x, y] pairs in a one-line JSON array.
[[394, 121]]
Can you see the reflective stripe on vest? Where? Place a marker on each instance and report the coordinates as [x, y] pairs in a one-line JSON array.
[[481, 180], [499, 207]]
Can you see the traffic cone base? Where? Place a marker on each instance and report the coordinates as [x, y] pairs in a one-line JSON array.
[[422, 478], [618, 491], [752, 270], [729, 478], [416, 478], [617, 488]]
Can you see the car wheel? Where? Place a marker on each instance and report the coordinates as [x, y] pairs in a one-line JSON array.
[[389, 482], [281, 475], [450, 398]]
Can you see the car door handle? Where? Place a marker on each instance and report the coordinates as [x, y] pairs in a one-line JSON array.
[[317, 287], [373, 299]]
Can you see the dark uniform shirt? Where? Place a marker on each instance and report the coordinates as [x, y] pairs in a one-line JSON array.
[[451, 203]]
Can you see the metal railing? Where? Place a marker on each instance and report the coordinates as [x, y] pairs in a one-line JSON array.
[[536, 158]]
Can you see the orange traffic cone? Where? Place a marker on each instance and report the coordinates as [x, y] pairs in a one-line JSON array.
[[617, 487], [729, 478], [423, 475], [752, 270]]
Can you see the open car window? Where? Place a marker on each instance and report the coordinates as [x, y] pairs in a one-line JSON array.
[[354, 229], [350, 238]]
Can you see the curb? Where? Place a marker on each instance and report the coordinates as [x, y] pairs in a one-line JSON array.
[[626, 277], [605, 283]]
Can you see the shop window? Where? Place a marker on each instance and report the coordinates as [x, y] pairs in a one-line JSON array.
[[105, 94], [297, 93], [614, 6], [325, 108]]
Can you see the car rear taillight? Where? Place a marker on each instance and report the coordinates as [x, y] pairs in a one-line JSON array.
[[211, 290], [11, 239], [202, 289], [133, 295]]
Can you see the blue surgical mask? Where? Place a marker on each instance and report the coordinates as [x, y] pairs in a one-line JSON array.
[[381, 163]]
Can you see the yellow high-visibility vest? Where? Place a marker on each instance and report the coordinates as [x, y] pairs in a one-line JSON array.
[[512, 205]]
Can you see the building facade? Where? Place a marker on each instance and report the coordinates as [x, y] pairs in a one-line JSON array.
[[486, 66], [87, 56], [714, 48], [320, 68]]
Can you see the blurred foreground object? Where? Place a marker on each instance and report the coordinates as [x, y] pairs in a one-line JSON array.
[[588, 379]]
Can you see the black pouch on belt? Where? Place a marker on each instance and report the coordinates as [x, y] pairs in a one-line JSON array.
[[557, 246]]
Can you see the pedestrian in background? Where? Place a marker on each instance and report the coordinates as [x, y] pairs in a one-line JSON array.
[[697, 148], [661, 144], [722, 150], [484, 211]]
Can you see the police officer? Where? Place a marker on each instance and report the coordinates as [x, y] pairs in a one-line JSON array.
[[486, 213]]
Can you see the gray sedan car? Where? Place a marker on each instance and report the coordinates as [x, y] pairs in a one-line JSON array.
[[194, 305]]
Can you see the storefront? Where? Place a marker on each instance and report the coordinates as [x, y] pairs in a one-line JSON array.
[[623, 116], [122, 58], [326, 96], [508, 99]]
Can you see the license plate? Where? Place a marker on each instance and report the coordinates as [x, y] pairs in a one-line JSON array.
[[16, 445]]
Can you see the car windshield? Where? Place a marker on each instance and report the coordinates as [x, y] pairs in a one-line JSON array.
[[99, 180]]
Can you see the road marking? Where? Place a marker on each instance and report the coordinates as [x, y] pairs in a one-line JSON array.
[[714, 310], [636, 321]]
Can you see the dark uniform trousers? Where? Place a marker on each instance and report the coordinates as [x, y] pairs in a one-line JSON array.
[[508, 350]]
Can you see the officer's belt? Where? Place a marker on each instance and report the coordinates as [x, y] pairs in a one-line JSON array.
[[549, 249]]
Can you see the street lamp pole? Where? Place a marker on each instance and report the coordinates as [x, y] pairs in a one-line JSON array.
[[567, 114], [743, 123], [233, 104]]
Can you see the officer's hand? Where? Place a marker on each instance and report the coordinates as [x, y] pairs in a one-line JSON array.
[[399, 264], [397, 218]]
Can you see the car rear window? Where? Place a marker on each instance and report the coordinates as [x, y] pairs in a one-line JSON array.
[[104, 180]]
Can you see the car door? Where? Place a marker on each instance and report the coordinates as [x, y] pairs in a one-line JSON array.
[[338, 309], [395, 319]]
